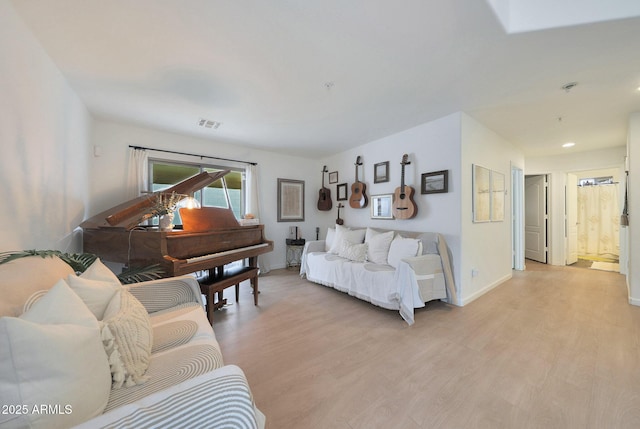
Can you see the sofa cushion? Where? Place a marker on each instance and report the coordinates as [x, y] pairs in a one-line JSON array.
[[343, 233], [170, 366], [99, 271], [172, 334], [52, 354], [353, 252], [402, 248], [378, 245], [15, 289], [96, 294], [127, 336], [331, 233]]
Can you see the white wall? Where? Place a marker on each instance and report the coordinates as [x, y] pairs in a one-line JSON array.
[[557, 168], [487, 246], [44, 133], [108, 175], [452, 143], [433, 146]]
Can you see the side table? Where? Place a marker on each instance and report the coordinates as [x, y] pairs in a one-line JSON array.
[[294, 251]]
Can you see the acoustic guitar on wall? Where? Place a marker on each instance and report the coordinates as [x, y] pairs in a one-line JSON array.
[[358, 198], [324, 197], [403, 205]]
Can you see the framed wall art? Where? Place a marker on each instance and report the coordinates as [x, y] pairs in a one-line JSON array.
[[333, 177], [435, 182], [341, 192], [381, 172], [489, 190], [498, 190], [290, 200], [481, 194], [381, 206]]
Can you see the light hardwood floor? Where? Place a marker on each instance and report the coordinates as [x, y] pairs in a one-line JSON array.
[[554, 347]]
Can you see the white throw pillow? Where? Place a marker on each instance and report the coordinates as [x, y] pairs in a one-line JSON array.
[[331, 233], [343, 233], [128, 337], [402, 248], [354, 252], [96, 294], [338, 237], [356, 235], [378, 245], [52, 355], [99, 271]]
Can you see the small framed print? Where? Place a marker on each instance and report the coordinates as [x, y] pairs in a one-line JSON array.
[[341, 191], [333, 177], [381, 206], [435, 182], [381, 172]]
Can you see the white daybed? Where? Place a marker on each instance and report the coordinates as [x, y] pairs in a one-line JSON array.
[[393, 270]]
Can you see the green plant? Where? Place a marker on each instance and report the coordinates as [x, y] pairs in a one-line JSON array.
[[81, 261], [166, 203]]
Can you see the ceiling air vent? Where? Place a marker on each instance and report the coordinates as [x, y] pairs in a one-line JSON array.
[[208, 123]]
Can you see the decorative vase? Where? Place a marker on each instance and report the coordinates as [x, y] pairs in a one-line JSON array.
[[166, 222]]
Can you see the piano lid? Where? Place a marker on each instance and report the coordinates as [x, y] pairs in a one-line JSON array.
[[130, 214]]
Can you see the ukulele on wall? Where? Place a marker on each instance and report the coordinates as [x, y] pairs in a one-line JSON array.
[[403, 205], [358, 198], [339, 221], [324, 197]]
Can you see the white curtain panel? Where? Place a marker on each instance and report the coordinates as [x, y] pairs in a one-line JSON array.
[[253, 203], [138, 174], [598, 221]]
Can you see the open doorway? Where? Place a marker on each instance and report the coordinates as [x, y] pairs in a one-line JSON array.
[[594, 196]]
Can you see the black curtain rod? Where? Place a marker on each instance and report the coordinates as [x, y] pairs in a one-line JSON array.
[[192, 154]]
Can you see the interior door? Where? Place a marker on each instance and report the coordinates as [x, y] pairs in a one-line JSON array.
[[571, 218], [535, 218]]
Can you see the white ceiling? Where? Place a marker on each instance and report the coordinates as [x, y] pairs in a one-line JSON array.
[[315, 77]]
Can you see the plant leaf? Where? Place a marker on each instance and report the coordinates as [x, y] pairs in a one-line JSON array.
[[141, 274]]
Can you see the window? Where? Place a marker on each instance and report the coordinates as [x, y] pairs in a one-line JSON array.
[[164, 174], [596, 181]]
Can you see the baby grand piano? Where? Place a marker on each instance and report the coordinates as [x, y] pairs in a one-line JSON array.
[[211, 237]]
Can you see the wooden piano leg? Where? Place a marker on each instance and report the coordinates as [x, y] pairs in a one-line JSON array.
[[254, 285], [210, 309], [208, 293]]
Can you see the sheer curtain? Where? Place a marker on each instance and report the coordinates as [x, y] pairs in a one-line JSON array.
[[253, 204], [598, 221], [138, 174]]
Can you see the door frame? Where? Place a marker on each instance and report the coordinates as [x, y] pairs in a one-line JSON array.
[[570, 205], [517, 210]]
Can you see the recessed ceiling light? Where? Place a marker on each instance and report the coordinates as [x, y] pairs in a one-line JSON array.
[[569, 144]]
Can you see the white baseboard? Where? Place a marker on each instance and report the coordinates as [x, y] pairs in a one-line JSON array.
[[486, 289], [634, 301]]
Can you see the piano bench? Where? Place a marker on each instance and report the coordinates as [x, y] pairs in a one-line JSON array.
[[231, 277]]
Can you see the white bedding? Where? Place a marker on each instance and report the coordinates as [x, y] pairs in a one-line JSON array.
[[381, 285]]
